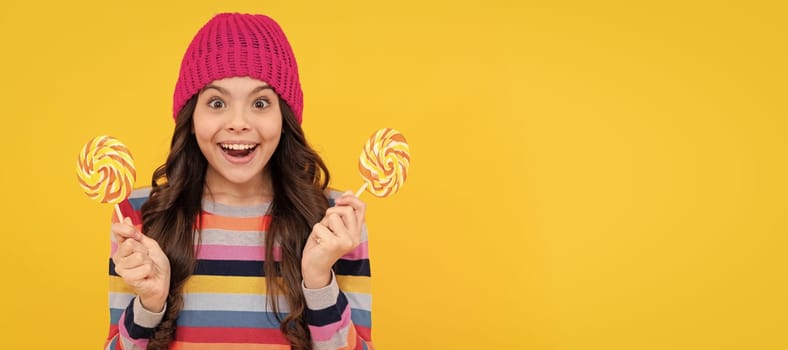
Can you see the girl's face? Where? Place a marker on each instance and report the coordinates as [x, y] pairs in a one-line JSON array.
[[238, 124]]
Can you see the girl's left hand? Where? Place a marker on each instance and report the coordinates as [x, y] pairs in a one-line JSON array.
[[336, 235]]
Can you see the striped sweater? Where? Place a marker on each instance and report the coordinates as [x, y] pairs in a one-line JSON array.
[[225, 301]]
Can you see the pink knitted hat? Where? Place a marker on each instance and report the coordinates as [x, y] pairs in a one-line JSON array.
[[240, 45]]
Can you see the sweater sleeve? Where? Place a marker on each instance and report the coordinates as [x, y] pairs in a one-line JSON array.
[[130, 324], [339, 315]]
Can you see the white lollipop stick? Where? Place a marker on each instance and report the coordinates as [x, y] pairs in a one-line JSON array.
[[361, 190], [118, 213]]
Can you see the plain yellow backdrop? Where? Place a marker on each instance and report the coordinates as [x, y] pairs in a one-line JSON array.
[[585, 175]]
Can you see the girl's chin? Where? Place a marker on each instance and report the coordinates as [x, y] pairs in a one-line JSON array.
[[233, 176], [234, 179]]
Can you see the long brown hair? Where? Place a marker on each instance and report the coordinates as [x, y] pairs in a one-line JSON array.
[[299, 178]]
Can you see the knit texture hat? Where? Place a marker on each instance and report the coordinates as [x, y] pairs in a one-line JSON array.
[[240, 45]]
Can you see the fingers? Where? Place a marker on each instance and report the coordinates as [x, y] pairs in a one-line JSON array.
[[125, 230], [133, 276], [137, 277], [133, 263], [341, 219], [320, 230], [339, 228], [346, 217], [134, 260], [131, 246], [321, 234], [130, 254], [338, 233], [331, 240], [350, 200], [149, 243], [146, 247]]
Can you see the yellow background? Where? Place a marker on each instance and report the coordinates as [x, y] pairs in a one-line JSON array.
[[585, 175]]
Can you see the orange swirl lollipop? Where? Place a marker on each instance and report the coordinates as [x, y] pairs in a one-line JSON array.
[[105, 171], [384, 163]]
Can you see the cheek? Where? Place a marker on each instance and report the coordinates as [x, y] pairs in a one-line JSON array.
[[276, 140], [202, 131], [272, 130], [272, 139]]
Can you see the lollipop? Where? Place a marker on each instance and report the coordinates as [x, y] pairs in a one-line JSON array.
[[105, 171], [384, 163]]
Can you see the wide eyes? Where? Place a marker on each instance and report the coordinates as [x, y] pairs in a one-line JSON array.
[[217, 103], [261, 103]]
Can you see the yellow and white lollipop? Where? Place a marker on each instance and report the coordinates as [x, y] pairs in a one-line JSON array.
[[105, 171], [384, 163]]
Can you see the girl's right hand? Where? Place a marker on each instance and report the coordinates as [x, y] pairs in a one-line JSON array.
[[142, 264]]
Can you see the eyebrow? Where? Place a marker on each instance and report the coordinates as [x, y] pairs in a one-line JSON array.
[[225, 92], [261, 88]]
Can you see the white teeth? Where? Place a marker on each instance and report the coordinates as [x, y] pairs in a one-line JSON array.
[[237, 147]]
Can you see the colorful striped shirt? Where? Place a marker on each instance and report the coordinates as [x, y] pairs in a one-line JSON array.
[[225, 300]]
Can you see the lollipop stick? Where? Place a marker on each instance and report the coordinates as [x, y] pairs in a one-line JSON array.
[[361, 190], [118, 213]]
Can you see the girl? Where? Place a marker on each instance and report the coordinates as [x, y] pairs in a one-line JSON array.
[[238, 244]]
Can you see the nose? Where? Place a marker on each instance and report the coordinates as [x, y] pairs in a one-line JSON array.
[[238, 121]]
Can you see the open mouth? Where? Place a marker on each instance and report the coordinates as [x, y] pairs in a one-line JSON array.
[[238, 150]]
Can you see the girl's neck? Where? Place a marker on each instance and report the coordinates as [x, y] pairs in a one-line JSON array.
[[256, 191]]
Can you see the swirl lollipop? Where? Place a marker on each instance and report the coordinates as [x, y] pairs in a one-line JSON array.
[[105, 171], [384, 163]]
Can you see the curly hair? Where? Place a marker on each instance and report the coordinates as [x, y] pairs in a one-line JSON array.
[[300, 179]]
